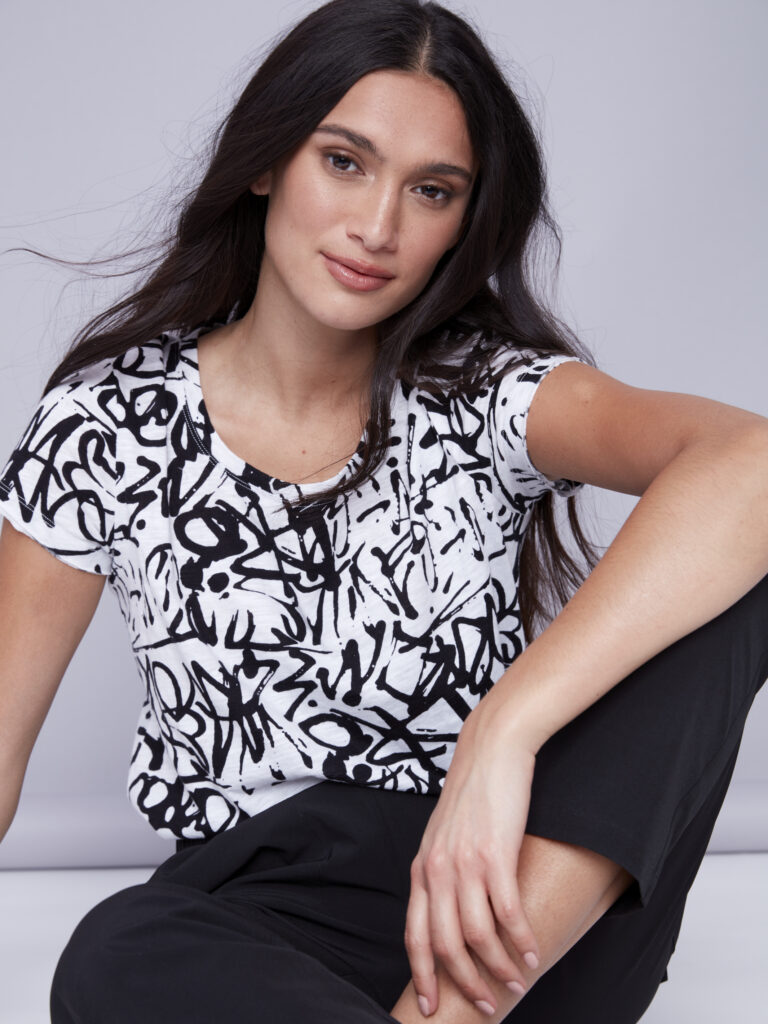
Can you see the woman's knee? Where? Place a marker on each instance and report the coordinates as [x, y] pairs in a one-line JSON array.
[[91, 972]]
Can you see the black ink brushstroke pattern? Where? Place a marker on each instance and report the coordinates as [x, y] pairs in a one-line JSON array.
[[277, 649]]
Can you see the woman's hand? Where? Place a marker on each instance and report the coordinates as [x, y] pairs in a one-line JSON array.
[[464, 877]]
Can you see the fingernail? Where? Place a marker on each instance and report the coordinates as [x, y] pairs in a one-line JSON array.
[[484, 1007], [532, 960], [424, 1005], [516, 987]]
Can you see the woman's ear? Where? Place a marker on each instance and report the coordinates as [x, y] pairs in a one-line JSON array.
[[262, 185]]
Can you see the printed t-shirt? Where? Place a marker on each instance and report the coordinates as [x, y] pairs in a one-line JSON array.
[[279, 648]]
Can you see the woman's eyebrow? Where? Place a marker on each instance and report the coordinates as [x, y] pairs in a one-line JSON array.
[[365, 144]]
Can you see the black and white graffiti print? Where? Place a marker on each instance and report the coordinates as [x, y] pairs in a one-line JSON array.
[[276, 648]]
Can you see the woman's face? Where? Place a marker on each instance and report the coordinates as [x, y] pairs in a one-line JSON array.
[[385, 179]]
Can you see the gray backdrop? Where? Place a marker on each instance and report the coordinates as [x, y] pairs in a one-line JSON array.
[[651, 117]]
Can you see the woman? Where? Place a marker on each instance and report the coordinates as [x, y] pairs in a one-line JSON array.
[[316, 456]]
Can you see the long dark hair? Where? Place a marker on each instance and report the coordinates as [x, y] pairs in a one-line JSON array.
[[482, 294]]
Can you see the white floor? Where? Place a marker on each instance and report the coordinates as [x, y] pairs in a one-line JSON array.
[[718, 972]]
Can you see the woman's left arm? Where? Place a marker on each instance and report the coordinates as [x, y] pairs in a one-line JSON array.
[[696, 542]]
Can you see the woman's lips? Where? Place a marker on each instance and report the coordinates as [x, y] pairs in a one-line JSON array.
[[350, 277]]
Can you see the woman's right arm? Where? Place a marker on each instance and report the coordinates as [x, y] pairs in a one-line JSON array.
[[45, 608]]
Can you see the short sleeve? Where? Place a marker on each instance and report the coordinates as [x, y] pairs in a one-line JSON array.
[[511, 400], [58, 484]]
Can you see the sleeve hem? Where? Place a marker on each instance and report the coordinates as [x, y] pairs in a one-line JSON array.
[[6, 489], [561, 485], [87, 561]]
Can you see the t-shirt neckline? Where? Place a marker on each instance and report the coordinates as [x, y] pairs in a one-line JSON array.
[[200, 423]]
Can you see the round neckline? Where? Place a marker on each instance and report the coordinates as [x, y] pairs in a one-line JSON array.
[[214, 447]]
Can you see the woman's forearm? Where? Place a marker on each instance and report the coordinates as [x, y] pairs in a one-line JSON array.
[[694, 544]]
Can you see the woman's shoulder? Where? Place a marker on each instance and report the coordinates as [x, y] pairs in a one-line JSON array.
[[136, 391], [527, 362], [483, 370], [146, 363], [105, 388], [487, 413]]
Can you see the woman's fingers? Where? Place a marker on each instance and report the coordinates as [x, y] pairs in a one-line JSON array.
[[450, 944], [418, 944], [508, 911], [433, 928], [447, 913], [479, 928]]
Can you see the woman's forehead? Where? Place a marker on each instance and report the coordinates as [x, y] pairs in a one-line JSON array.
[[404, 114]]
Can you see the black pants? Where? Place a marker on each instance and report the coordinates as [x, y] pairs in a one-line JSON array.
[[297, 914]]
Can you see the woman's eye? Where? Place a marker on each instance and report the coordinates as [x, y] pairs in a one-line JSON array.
[[437, 193], [340, 156]]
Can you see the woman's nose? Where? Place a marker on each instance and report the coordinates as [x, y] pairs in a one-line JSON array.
[[375, 220]]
